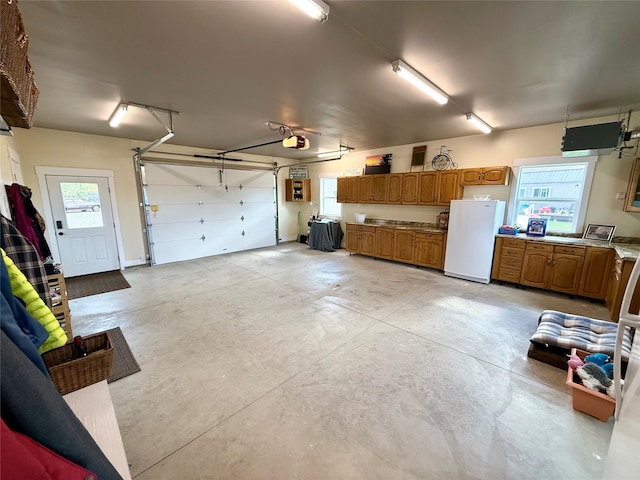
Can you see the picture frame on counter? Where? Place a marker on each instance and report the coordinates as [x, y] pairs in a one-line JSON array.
[[537, 227], [599, 232]]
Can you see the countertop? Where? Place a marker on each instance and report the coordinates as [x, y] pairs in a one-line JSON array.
[[401, 225], [624, 249]]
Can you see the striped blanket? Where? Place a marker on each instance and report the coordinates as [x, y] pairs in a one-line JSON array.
[[572, 331]]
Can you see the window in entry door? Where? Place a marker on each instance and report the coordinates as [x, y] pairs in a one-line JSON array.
[[82, 205]]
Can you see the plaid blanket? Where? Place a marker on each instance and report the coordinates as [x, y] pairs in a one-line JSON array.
[[573, 331]]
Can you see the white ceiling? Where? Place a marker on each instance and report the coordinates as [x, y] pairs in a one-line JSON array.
[[230, 66]]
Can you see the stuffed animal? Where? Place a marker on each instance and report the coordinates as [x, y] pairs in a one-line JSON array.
[[597, 358], [575, 361], [595, 378], [608, 369]]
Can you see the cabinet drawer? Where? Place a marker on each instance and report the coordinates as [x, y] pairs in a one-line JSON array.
[[361, 228], [539, 247], [512, 252], [509, 275], [571, 250], [429, 236], [511, 262], [513, 243]]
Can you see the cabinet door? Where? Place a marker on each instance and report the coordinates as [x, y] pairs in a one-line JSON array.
[[596, 272], [352, 189], [379, 189], [410, 188], [352, 239], [448, 187], [384, 243], [470, 176], [428, 252], [565, 273], [342, 190], [534, 268], [365, 184], [427, 188], [495, 175], [367, 243], [394, 188], [403, 246]]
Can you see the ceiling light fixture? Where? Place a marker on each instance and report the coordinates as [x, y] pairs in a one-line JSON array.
[[316, 9], [420, 82], [483, 126], [118, 114], [343, 151]]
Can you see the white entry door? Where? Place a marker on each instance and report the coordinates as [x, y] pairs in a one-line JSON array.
[[83, 223]]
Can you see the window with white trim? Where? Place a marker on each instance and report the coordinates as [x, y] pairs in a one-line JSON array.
[[553, 189], [329, 206]]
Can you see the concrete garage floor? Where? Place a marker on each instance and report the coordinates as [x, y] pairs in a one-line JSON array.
[[285, 363]]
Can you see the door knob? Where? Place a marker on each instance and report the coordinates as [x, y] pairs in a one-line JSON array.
[[60, 233]]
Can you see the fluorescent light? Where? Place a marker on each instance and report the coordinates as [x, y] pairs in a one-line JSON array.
[[335, 153], [484, 127], [314, 8], [118, 115], [420, 82]]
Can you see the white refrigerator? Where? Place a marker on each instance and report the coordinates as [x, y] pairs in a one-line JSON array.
[[473, 225]]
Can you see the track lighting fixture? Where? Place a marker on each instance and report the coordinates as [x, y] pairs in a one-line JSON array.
[[473, 118], [420, 82], [316, 9]]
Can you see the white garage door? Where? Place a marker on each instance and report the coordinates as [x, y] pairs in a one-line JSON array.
[[193, 215]]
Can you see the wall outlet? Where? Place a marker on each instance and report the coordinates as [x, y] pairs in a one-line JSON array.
[[620, 196]]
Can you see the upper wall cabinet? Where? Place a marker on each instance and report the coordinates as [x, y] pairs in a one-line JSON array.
[[632, 200], [484, 176], [298, 190]]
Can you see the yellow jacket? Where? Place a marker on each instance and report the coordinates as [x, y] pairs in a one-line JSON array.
[[22, 289]]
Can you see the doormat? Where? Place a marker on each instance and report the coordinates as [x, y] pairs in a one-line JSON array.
[[86, 285], [124, 363]]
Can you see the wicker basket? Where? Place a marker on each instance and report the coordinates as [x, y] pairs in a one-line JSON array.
[[70, 373]]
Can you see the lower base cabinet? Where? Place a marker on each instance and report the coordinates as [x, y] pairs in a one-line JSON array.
[[399, 244], [429, 250], [361, 239]]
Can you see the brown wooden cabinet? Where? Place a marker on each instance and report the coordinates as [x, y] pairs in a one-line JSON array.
[[484, 176], [298, 189], [342, 194], [617, 284], [361, 239], [410, 188], [404, 245], [429, 250], [448, 187], [394, 188], [552, 267], [438, 187], [372, 189], [598, 262], [348, 189], [507, 259], [383, 247]]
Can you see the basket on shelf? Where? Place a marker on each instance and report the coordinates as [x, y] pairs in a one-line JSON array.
[[70, 372]]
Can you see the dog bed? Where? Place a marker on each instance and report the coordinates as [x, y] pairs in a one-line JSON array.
[[559, 332]]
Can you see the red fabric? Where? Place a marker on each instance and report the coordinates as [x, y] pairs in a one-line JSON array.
[[22, 458], [20, 218]]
